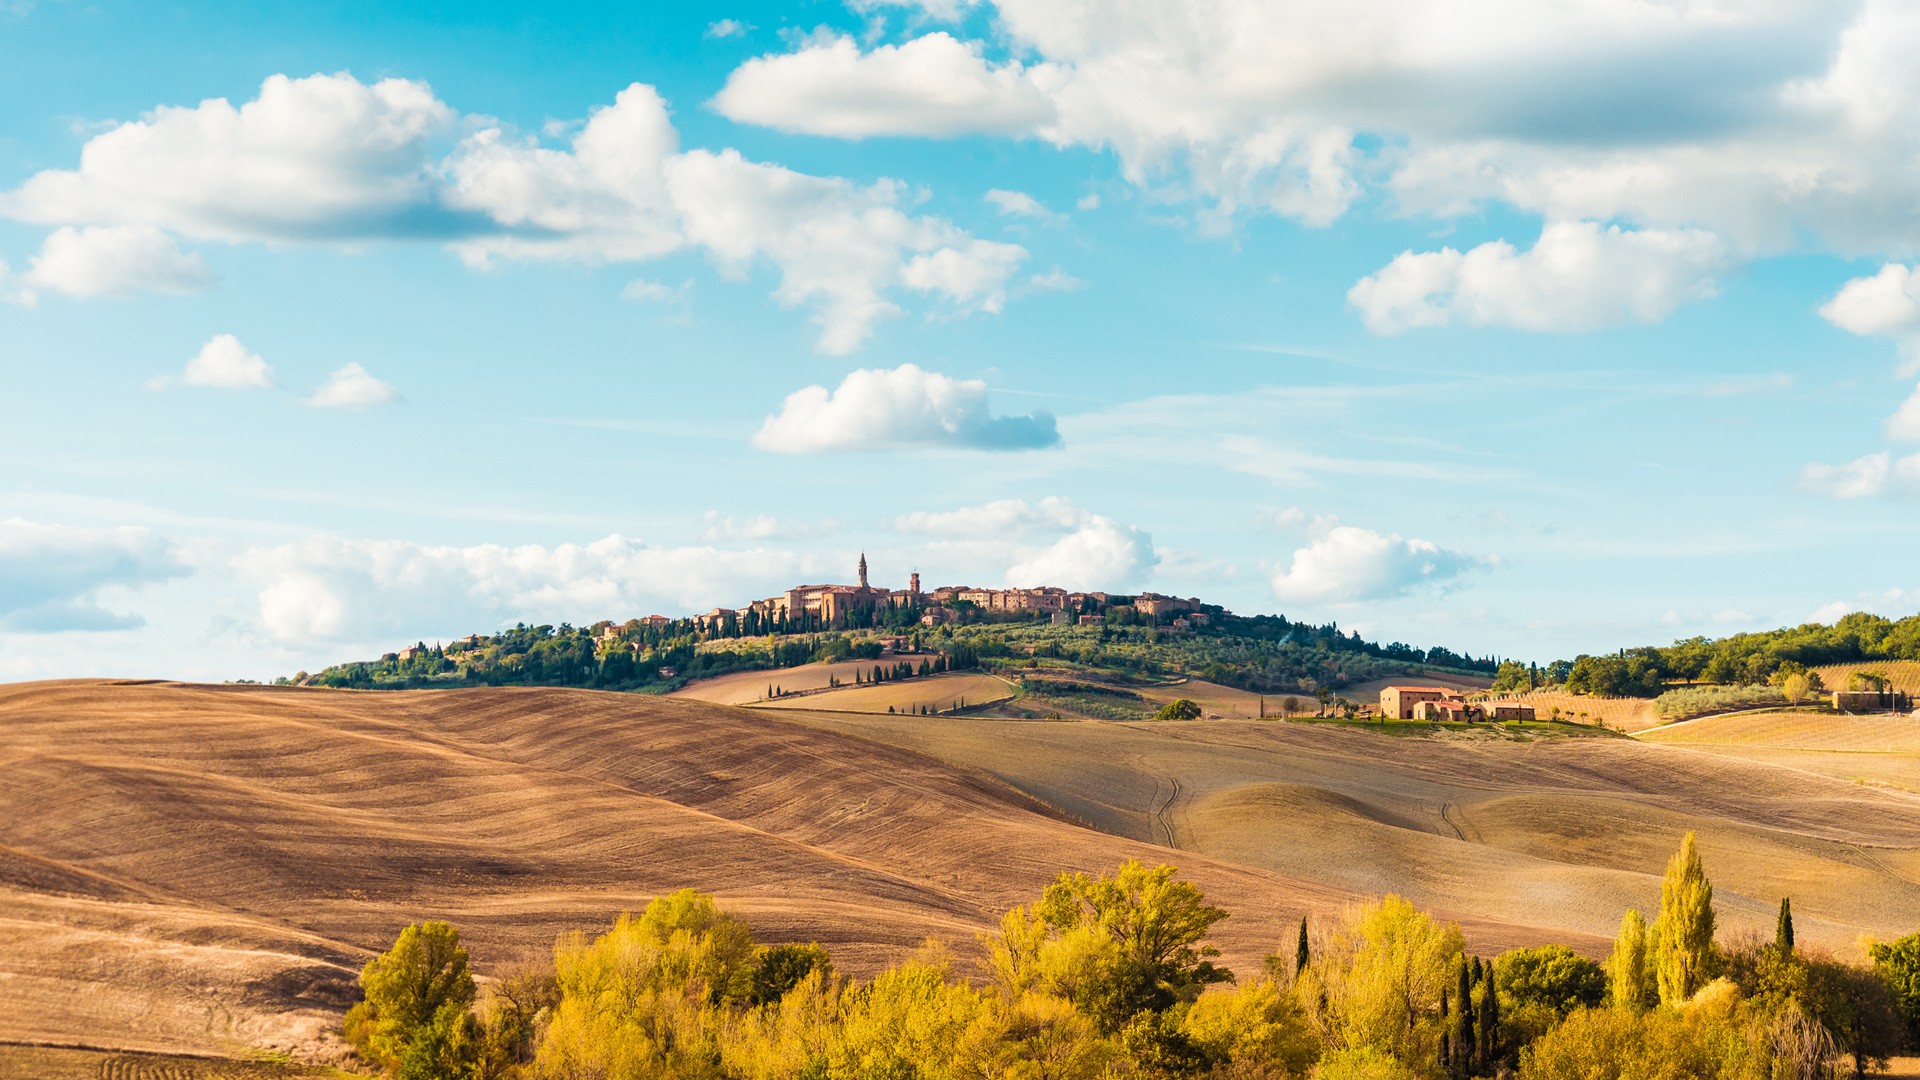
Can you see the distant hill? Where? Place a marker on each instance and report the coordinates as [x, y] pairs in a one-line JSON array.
[[1262, 654]]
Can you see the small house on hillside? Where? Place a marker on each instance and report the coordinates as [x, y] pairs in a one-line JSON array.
[[1400, 702], [1504, 711], [1861, 701]]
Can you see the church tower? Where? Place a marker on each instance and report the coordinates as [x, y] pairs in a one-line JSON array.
[[913, 587], [863, 569]]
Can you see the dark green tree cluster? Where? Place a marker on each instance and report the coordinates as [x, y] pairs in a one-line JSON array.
[[1744, 659]]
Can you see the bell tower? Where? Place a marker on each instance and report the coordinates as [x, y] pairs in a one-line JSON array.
[[913, 586], [863, 569]]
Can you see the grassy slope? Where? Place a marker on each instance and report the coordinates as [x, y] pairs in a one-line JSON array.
[[191, 868], [1556, 833]]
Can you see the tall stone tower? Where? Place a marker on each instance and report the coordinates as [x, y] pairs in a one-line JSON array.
[[913, 584], [863, 569]]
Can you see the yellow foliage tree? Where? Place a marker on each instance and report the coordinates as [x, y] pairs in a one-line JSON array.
[[1377, 980], [647, 998], [1629, 974], [1683, 934]]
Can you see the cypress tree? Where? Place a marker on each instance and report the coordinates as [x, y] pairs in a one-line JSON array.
[[1627, 969], [1783, 931], [1446, 1040], [1300, 952], [1683, 934], [1462, 1022], [1489, 1022]]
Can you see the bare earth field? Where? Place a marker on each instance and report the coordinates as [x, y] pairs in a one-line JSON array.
[[202, 869], [937, 692], [749, 687], [1562, 834]]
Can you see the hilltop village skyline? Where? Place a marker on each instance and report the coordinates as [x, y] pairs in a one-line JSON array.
[[804, 608]]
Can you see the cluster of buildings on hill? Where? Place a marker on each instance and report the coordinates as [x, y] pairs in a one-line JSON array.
[[1446, 703], [831, 606]]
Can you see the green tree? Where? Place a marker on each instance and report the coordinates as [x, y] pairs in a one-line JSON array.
[[417, 991], [1301, 952], [1898, 965], [779, 968], [1155, 927], [1178, 709], [1630, 979], [1460, 1040], [1683, 934], [1783, 928]]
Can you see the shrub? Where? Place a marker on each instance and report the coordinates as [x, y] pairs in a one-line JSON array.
[[1692, 701]]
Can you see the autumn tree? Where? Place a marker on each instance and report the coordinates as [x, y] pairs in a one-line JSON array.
[[417, 996], [1682, 951], [1630, 980]]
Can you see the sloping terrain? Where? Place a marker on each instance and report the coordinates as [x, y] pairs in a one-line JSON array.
[[199, 869], [937, 692], [1556, 833]]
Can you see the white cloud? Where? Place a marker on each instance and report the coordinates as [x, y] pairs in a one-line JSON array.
[[932, 85], [1886, 304], [1347, 564], [1054, 280], [1856, 479], [52, 576], [1019, 204], [352, 387], [1893, 603], [1765, 123], [1100, 554], [1904, 424], [727, 28], [324, 157], [877, 409], [329, 159], [1577, 276], [391, 591], [114, 260], [222, 362], [1088, 202], [640, 289], [1002, 517]]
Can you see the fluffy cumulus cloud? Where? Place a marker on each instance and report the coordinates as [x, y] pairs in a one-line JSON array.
[[1770, 124], [52, 577], [1045, 542], [1873, 474], [112, 260], [1100, 553], [339, 591], [1577, 276], [331, 159], [878, 409], [325, 157], [1886, 304], [1346, 564], [932, 85], [222, 362], [353, 387]]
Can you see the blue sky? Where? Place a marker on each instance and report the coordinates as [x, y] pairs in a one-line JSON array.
[[329, 328]]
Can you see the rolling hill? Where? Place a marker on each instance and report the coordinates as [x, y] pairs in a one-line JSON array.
[[204, 868]]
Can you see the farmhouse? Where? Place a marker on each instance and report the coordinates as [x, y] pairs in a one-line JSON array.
[[1508, 710], [1856, 701], [1401, 702]]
